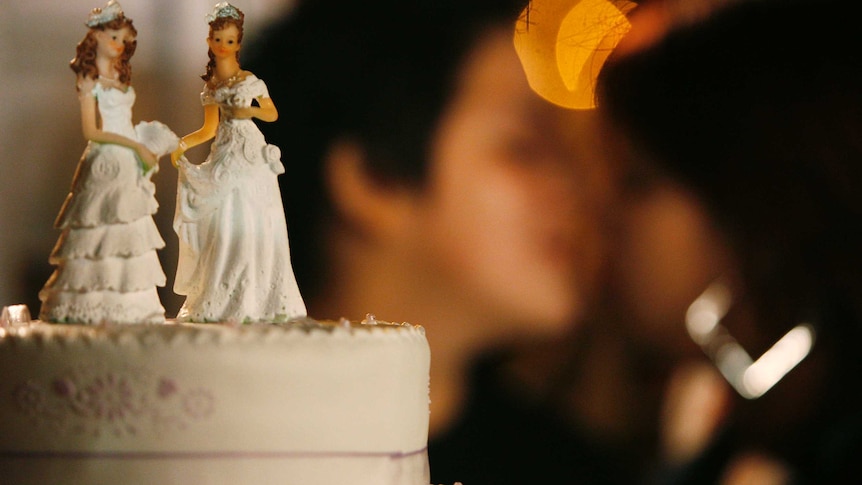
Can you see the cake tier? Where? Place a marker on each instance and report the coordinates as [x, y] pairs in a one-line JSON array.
[[310, 403]]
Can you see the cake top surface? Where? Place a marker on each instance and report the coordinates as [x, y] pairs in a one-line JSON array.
[[150, 334]]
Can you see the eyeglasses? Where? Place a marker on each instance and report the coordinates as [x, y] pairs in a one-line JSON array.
[[750, 378]]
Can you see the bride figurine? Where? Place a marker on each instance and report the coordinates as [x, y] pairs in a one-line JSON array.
[[106, 264], [234, 261]]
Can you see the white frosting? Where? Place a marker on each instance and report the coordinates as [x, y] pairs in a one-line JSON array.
[[186, 403]]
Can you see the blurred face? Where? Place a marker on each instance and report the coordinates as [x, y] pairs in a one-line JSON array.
[[665, 252], [112, 43], [224, 43], [499, 221]]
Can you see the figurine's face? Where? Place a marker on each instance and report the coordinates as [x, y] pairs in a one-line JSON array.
[[224, 43], [112, 43]]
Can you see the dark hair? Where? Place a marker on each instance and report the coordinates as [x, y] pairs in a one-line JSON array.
[[217, 24], [758, 110], [377, 72], [84, 63]]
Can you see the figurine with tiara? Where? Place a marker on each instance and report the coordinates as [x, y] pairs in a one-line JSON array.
[[107, 269], [234, 262]]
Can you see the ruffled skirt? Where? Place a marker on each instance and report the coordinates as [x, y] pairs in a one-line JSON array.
[[107, 269]]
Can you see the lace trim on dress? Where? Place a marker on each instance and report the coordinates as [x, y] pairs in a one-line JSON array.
[[102, 307]]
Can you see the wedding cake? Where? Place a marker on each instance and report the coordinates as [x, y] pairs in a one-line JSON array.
[[306, 402], [111, 393]]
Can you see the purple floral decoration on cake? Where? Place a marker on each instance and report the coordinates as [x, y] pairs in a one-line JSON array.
[[123, 402], [198, 403], [30, 398]]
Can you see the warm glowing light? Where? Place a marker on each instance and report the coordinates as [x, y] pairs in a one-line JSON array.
[[776, 362], [750, 378], [703, 315], [732, 361], [563, 45]]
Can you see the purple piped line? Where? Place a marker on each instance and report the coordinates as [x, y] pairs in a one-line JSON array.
[[202, 455]]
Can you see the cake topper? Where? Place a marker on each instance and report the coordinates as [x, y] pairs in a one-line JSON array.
[[106, 264], [234, 262]]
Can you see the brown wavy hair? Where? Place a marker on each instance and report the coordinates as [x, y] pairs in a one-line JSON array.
[[84, 63], [216, 25]]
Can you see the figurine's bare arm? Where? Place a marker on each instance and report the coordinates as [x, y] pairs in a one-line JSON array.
[[265, 111], [205, 133], [92, 131]]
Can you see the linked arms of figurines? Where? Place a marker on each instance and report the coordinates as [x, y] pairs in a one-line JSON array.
[[92, 132]]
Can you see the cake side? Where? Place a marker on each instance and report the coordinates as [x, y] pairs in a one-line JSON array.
[[215, 389], [204, 403]]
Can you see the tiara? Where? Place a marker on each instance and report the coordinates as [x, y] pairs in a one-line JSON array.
[[99, 16], [222, 10]]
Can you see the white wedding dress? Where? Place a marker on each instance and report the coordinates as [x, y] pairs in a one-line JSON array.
[[107, 269], [234, 261]]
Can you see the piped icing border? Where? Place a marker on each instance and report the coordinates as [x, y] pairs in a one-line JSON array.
[[174, 333]]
